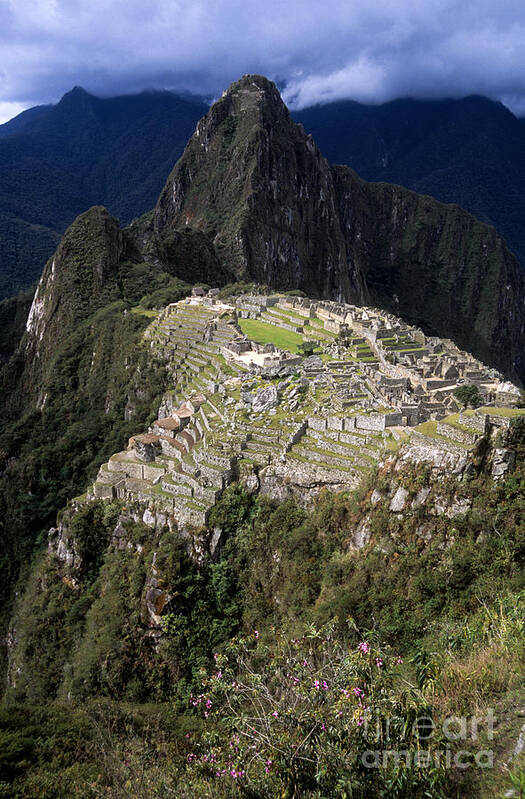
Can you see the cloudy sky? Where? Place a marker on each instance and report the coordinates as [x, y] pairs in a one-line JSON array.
[[371, 51]]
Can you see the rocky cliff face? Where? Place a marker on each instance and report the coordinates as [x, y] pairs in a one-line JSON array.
[[257, 188], [436, 266], [77, 279]]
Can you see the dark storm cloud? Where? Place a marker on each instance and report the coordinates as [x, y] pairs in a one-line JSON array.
[[371, 51]]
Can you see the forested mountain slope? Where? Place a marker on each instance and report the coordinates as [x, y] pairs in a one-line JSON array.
[[57, 161]]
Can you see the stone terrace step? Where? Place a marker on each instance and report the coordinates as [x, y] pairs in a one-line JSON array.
[[317, 440], [312, 461], [326, 458], [354, 437], [260, 446]]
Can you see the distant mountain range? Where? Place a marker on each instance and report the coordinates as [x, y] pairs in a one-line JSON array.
[[57, 161], [253, 199], [469, 151]]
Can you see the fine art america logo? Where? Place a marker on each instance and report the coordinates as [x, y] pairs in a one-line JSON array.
[[450, 745]]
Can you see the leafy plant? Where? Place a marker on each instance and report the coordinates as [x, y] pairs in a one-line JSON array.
[[468, 395]]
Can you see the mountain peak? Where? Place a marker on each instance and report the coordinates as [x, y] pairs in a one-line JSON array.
[[253, 84], [254, 92], [256, 185], [77, 99], [79, 277], [76, 92]]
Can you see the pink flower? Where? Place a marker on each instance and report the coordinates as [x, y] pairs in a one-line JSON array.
[[323, 727], [399, 660], [275, 714], [325, 685], [358, 691], [305, 663], [219, 675], [316, 685], [364, 647], [379, 662], [256, 633]]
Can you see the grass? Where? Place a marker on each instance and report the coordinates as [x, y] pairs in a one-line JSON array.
[[291, 455], [392, 445], [145, 312], [286, 316], [509, 412], [264, 333], [453, 421], [429, 429]]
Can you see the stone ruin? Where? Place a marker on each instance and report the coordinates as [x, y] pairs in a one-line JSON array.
[[281, 422], [259, 357]]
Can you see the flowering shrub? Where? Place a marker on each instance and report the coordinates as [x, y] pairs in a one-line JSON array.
[[299, 718]]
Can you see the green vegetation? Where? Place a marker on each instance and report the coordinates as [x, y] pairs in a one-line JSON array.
[[243, 659], [92, 385], [263, 333], [295, 581], [173, 290], [307, 347], [468, 395], [451, 604], [50, 177], [241, 287], [13, 317], [295, 713], [510, 413]]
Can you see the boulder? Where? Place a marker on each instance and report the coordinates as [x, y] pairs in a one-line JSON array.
[[459, 506], [265, 398], [503, 461], [216, 542], [376, 496], [361, 536], [313, 362], [397, 503], [421, 497], [251, 483]]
